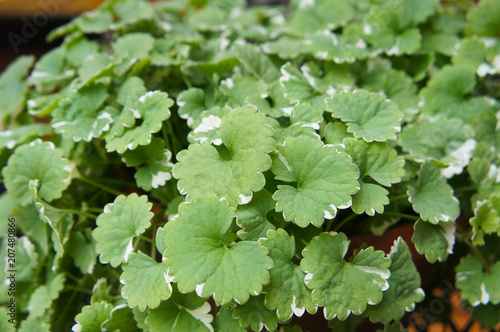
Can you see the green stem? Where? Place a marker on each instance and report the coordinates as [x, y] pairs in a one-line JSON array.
[[402, 215], [98, 185], [477, 253], [185, 79], [117, 182], [95, 209], [76, 290], [147, 239], [86, 214], [467, 188], [342, 223], [398, 197]]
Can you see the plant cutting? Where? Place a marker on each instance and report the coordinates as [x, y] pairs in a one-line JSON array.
[[207, 166]]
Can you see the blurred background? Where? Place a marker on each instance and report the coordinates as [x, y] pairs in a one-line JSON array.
[[24, 24]]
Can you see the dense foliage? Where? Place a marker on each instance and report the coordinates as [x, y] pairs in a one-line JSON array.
[[202, 166]]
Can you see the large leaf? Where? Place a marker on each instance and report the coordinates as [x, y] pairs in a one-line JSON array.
[[368, 115], [343, 287], [201, 255], [121, 221], [432, 197], [325, 180], [40, 161], [235, 170]]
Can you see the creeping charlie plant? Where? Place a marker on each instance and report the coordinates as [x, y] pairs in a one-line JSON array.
[[204, 165]]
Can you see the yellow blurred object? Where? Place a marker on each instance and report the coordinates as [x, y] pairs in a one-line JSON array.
[[50, 8]]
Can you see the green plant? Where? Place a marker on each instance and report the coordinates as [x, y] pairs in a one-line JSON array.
[[201, 166]]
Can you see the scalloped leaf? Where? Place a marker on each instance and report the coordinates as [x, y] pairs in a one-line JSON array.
[[146, 282], [201, 256], [404, 287], [483, 19], [254, 315], [343, 287], [79, 117], [432, 197], [252, 217], [41, 299], [486, 219], [434, 240], [237, 169], [12, 137], [445, 91], [40, 161], [152, 108], [226, 323], [152, 162], [375, 161], [122, 319], [368, 115], [475, 285], [12, 85], [325, 180], [171, 317], [92, 317], [125, 218], [286, 292]]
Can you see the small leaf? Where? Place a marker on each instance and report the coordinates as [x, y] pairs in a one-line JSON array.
[[42, 298], [256, 62], [444, 93], [40, 161], [343, 287], [200, 260], [486, 219], [92, 317], [226, 323], [79, 116], [325, 177], [434, 240], [122, 319], [368, 115], [287, 291], [169, 317], [5, 325], [153, 162], [122, 220], [404, 287], [252, 217], [12, 86], [152, 108], [146, 282], [33, 324], [12, 137], [375, 161], [253, 314], [475, 285], [482, 20], [432, 197]]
